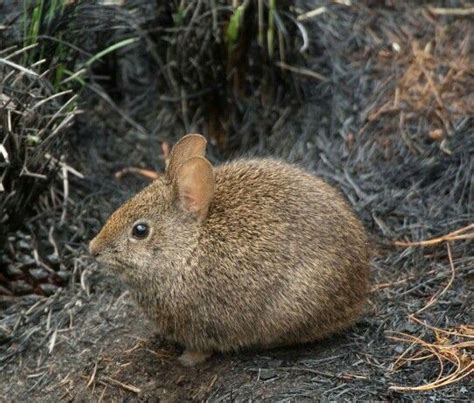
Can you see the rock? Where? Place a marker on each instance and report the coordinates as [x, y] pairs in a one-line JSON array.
[[400, 349], [13, 271], [275, 363], [27, 260], [39, 273], [53, 258], [23, 245], [64, 275], [48, 289], [266, 374], [20, 287]]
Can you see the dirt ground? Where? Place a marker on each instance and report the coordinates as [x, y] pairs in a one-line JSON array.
[[392, 127]]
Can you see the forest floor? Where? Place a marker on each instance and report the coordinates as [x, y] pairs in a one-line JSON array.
[[390, 123]]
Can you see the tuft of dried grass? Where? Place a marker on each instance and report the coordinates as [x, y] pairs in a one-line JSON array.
[[34, 120], [222, 61], [34, 177], [434, 76], [452, 346]]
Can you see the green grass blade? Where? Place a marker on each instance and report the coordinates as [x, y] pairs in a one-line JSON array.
[[235, 25], [271, 28], [110, 49]]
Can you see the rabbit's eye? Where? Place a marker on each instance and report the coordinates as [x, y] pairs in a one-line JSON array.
[[140, 230]]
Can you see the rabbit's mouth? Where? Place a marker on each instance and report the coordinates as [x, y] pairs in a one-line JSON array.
[[110, 263]]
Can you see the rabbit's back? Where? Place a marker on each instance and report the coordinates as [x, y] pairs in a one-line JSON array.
[[281, 259]]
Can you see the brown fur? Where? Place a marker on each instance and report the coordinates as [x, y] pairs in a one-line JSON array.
[[277, 257]]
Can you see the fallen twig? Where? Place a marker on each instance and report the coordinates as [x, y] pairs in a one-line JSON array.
[[452, 236], [92, 378], [312, 13], [435, 298], [451, 11], [125, 386], [147, 173], [302, 71]]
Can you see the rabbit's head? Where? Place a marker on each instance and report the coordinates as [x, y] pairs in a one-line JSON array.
[[156, 230]]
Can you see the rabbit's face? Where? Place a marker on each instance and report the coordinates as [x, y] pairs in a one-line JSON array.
[[144, 239], [149, 239]]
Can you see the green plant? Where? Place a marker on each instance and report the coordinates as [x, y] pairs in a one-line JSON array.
[[273, 27], [235, 25], [46, 25], [38, 22]]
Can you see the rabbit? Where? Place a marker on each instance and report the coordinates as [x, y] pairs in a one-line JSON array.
[[254, 253]]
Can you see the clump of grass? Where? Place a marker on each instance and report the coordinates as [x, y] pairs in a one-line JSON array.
[[222, 60], [42, 78], [34, 118], [269, 24], [54, 36], [211, 64], [43, 39]]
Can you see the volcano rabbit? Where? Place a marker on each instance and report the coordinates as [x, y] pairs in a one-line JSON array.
[[252, 253]]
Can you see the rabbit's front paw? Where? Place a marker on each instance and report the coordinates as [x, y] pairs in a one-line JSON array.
[[190, 358]]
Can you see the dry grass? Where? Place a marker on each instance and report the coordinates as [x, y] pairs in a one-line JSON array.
[[34, 121], [35, 177], [453, 346], [434, 76], [422, 106], [450, 346], [452, 236]]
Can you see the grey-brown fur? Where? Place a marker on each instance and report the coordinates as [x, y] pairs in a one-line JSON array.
[[278, 259]]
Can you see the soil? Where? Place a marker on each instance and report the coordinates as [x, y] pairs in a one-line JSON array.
[[89, 342]]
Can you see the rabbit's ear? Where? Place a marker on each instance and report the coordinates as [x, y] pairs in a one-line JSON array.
[[191, 145], [195, 186]]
